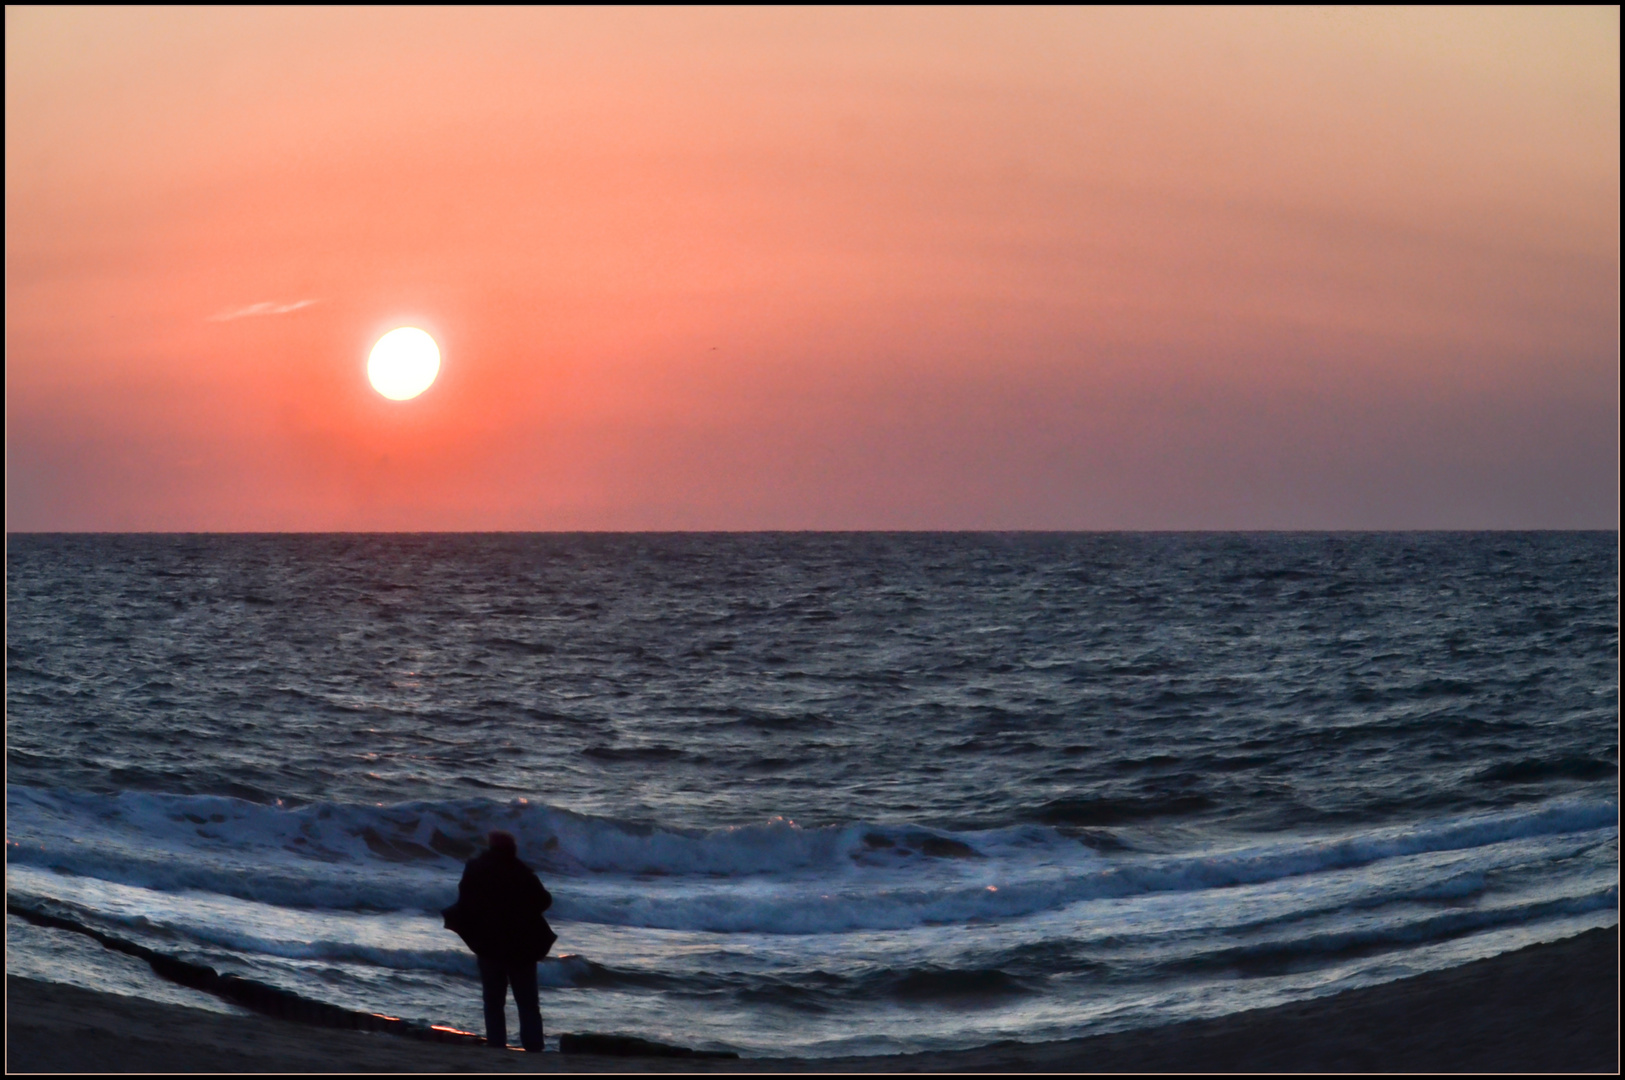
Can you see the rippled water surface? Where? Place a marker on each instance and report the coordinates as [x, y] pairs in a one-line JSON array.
[[820, 793]]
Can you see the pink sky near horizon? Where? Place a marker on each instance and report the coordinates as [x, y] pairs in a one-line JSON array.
[[813, 269]]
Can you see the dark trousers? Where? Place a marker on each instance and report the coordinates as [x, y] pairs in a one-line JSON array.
[[496, 975]]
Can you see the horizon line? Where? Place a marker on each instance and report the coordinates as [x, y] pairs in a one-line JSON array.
[[792, 532]]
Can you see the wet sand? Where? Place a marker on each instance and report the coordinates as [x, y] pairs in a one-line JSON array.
[[1547, 1008]]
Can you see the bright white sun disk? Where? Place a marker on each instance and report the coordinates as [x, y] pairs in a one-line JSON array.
[[403, 364]]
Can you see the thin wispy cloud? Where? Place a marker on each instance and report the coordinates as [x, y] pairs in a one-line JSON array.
[[264, 307]]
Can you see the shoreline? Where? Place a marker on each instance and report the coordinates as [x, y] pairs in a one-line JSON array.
[[1552, 1007]]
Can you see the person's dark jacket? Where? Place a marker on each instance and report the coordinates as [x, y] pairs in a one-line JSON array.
[[499, 908]]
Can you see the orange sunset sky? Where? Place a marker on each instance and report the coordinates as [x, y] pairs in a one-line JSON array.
[[813, 269]]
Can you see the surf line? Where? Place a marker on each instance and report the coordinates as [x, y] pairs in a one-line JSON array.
[[286, 1005], [251, 993]]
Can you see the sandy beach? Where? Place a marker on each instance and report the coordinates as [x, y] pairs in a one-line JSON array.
[[1547, 1008]]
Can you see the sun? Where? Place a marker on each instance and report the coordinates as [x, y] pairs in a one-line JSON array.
[[403, 364]]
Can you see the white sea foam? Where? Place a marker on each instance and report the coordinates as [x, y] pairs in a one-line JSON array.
[[773, 878]]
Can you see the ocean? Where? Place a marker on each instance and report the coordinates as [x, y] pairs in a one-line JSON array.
[[815, 794]]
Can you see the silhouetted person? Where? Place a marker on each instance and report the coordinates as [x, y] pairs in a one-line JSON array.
[[498, 914]]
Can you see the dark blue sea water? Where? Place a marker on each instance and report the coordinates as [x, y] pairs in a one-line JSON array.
[[817, 793]]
